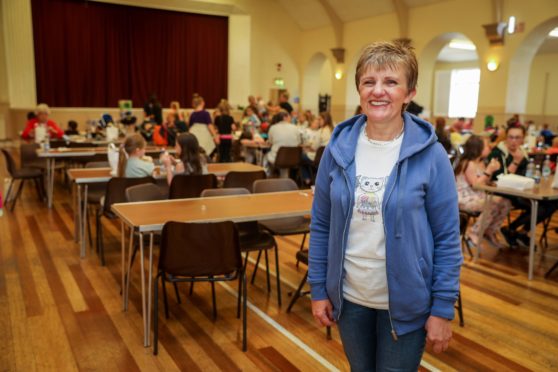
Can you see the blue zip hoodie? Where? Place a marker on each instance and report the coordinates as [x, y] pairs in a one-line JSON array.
[[421, 224]]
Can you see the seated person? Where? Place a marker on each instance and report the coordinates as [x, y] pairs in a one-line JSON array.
[[547, 134], [146, 129], [72, 128], [42, 112], [471, 171], [281, 133], [132, 161], [514, 159], [190, 158], [165, 134]]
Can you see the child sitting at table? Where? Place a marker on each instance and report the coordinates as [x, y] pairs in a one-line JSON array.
[[470, 171], [190, 158], [132, 161]]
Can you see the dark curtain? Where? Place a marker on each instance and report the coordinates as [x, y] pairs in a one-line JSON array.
[[90, 54]]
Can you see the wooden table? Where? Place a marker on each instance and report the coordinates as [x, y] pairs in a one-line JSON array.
[[72, 153], [543, 191], [82, 177], [149, 217]]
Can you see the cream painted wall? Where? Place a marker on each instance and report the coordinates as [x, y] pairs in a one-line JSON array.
[[326, 78], [543, 95], [239, 76]]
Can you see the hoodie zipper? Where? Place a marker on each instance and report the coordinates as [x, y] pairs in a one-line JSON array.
[[352, 195], [393, 333]]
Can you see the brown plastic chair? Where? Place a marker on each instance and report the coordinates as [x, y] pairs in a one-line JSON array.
[[95, 191], [144, 192], [196, 252], [302, 256], [115, 193], [253, 239], [191, 186], [283, 226], [22, 174], [243, 179], [288, 158]]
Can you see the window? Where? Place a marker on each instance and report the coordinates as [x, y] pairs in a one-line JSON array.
[[457, 93]]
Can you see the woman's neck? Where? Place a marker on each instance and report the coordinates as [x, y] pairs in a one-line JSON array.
[[384, 131]]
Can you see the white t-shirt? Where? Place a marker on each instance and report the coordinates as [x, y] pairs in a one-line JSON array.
[[365, 282]]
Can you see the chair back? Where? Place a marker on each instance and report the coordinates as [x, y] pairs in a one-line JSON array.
[[144, 192], [28, 153], [274, 185], [319, 154], [288, 157], [243, 179], [116, 190], [10, 163], [191, 186], [97, 164], [200, 249], [207, 193]]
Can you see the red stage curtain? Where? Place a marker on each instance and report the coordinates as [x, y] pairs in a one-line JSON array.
[[90, 54]]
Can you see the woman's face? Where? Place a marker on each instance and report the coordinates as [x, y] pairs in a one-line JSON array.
[[383, 93], [42, 117], [315, 124]]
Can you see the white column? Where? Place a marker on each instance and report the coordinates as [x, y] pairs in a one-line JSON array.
[[19, 52], [239, 59]]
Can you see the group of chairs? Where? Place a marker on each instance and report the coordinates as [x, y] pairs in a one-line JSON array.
[[288, 162], [184, 256]]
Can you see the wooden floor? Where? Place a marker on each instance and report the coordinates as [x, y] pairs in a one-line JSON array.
[[58, 312]]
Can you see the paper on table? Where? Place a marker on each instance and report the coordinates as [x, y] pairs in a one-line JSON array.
[[515, 181]]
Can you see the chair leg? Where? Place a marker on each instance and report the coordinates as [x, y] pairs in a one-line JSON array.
[[244, 306], [460, 310], [267, 271], [7, 196], [296, 295], [214, 300], [191, 289], [156, 317], [277, 274], [547, 274], [328, 332], [177, 293], [255, 266], [165, 300], [39, 193], [21, 182], [240, 290], [301, 248]]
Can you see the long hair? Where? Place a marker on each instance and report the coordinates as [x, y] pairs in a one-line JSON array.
[[131, 144], [328, 122], [472, 150], [190, 152]]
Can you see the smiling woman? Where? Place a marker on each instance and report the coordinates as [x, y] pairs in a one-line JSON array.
[[385, 208]]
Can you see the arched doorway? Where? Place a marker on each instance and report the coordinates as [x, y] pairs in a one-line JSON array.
[[520, 67], [435, 63], [318, 76]]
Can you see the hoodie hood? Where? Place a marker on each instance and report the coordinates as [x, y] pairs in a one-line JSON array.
[[419, 134]]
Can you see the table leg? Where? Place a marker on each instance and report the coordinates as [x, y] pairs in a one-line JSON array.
[[123, 259], [143, 295], [150, 287], [83, 235], [485, 211], [533, 239], [77, 213], [75, 204], [51, 163], [129, 270]]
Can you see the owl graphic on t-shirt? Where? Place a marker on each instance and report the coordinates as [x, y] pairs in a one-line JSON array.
[[368, 200]]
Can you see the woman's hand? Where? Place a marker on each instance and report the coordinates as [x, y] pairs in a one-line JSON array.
[[493, 166], [166, 160], [438, 333], [323, 312]]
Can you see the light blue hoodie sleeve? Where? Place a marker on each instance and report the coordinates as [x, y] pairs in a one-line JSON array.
[[443, 215], [319, 230]]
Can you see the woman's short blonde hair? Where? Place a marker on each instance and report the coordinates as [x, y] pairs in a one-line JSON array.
[[390, 55], [42, 108]]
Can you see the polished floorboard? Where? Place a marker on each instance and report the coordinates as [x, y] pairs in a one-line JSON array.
[[60, 312]]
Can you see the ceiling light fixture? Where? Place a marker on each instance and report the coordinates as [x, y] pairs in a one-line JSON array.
[[462, 44], [553, 33], [492, 65], [511, 25]]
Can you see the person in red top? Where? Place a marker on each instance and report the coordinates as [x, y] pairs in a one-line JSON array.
[[42, 111]]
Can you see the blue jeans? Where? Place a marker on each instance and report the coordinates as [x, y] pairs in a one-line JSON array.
[[369, 346]]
